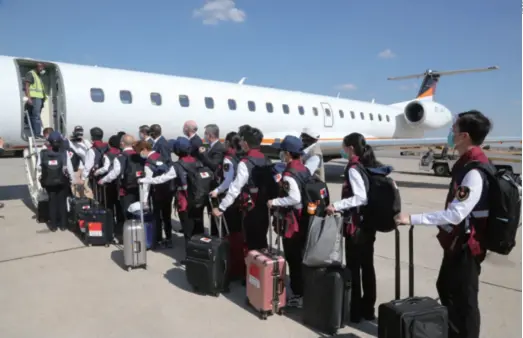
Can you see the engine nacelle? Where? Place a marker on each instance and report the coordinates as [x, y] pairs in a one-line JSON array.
[[427, 114]]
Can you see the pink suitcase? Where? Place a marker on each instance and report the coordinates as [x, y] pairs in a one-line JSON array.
[[265, 282]]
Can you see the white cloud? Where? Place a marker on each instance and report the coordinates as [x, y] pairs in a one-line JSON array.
[[215, 11], [347, 86], [386, 54]]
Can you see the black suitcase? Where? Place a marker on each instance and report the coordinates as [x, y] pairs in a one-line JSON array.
[[77, 208], [206, 263], [99, 224], [326, 298], [413, 316]]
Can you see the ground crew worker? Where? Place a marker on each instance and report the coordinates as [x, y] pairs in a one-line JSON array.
[[126, 171], [313, 156], [36, 96], [93, 158], [359, 243], [57, 174], [111, 187], [253, 203], [191, 217], [461, 227], [143, 132], [288, 214], [158, 174]]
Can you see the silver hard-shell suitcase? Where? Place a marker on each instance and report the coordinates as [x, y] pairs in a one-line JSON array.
[[134, 245]]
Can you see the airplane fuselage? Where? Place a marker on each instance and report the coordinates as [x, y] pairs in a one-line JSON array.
[[121, 100]]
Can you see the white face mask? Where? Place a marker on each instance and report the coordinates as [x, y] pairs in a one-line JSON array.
[[42, 72], [282, 156]]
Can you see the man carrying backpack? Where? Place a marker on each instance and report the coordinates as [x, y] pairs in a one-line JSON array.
[[252, 185], [475, 220], [94, 159], [57, 174], [193, 182]]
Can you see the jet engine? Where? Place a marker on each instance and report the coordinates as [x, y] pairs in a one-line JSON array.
[[426, 114]]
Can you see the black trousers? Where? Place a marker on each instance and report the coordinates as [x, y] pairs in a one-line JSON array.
[[130, 196], [113, 204], [293, 249], [162, 211], [233, 218], [58, 205], [359, 251], [192, 222], [255, 224], [458, 285]]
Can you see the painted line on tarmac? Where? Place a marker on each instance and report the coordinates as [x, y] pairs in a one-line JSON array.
[[41, 254]]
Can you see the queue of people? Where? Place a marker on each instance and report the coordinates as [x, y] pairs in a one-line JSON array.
[[244, 198]]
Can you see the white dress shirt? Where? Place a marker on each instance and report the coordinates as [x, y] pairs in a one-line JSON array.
[[235, 188], [457, 210], [89, 164], [228, 176], [358, 189], [311, 162], [149, 179], [293, 198]]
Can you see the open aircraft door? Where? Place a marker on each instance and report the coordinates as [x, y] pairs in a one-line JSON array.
[[328, 117]]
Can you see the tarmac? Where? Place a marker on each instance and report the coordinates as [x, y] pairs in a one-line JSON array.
[[54, 286]]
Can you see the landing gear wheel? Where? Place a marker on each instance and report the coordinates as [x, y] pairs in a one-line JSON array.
[[441, 170]]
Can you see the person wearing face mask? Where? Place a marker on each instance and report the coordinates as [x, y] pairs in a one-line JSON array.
[[461, 226], [79, 147], [189, 130], [36, 96], [359, 243], [158, 175], [143, 133], [56, 175], [313, 157], [289, 215], [110, 186], [96, 163]]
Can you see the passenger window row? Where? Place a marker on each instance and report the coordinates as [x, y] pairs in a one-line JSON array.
[[98, 95]]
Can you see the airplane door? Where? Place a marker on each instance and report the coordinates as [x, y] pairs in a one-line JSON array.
[[328, 116]]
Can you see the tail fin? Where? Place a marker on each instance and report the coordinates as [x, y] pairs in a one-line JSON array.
[[427, 90]]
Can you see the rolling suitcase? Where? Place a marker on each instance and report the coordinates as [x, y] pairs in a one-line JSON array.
[[265, 282], [206, 262], [98, 223], [42, 209], [411, 317], [134, 240], [326, 298], [327, 290]]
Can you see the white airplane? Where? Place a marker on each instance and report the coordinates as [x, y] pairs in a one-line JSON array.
[[121, 100]]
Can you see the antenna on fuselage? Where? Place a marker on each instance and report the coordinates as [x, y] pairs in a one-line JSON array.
[[242, 80]]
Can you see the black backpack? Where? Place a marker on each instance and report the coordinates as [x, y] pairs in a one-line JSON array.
[[383, 201], [199, 180], [315, 195], [99, 156], [133, 169], [262, 177], [52, 164], [504, 195]]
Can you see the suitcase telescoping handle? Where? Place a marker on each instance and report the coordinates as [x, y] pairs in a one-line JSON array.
[[411, 263], [140, 196], [278, 231], [220, 221]]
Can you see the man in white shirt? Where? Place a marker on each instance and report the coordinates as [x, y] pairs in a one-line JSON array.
[[313, 158], [80, 146]]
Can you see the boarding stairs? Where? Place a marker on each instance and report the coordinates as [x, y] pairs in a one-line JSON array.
[[31, 157]]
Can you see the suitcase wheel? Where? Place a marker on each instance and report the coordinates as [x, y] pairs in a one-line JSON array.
[[89, 244], [263, 315], [129, 268], [280, 311], [215, 294], [226, 290], [247, 301], [106, 245]]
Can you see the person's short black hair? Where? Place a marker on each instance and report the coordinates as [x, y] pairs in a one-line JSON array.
[[475, 124], [253, 136], [97, 134], [155, 129], [144, 129]]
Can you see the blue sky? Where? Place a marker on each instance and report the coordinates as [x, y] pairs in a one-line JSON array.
[[316, 46]]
